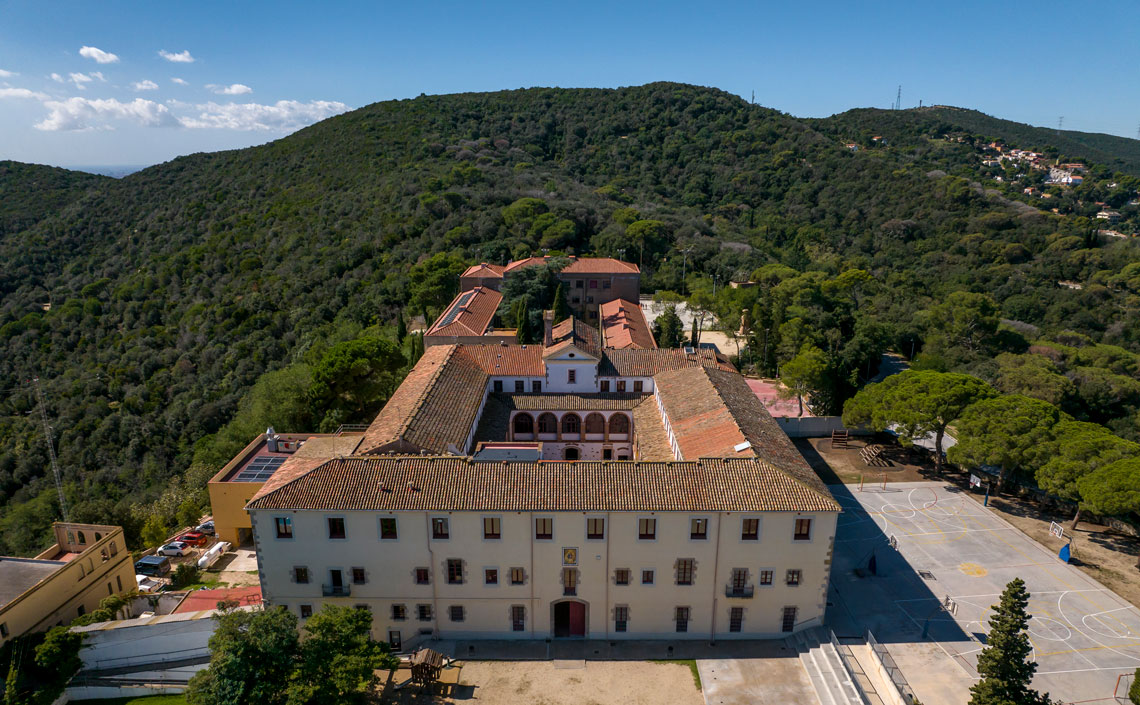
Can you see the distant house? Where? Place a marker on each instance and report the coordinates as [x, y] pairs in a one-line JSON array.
[[852, 146], [1108, 214]]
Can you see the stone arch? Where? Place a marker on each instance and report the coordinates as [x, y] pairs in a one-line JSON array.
[[619, 423], [82, 539], [547, 423], [595, 423], [523, 423], [571, 423]]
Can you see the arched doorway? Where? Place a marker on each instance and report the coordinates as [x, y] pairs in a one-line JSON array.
[[569, 618], [570, 453]]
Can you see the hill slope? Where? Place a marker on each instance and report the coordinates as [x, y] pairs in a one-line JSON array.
[[176, 287]]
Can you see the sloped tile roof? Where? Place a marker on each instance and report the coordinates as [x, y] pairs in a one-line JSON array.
[[600, 265], [469, 313], [483, 270], [570, 402], [649, 433], [415, 483], [624, 325], [576, 333], [434, 408], [500, 360], [634, 362]]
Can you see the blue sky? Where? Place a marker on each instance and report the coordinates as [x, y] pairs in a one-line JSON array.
[[260, 70]]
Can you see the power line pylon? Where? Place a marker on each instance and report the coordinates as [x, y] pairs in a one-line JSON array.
[[51, 448]]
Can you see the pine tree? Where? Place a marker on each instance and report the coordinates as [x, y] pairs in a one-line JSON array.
[[1004, 664]]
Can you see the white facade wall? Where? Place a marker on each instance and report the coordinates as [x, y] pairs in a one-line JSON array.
[[390, 567]]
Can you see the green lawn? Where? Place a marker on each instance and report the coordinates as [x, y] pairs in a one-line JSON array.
[[684, 662], [148, 700]]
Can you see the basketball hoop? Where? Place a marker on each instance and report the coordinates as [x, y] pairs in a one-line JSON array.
[[1056, 530]]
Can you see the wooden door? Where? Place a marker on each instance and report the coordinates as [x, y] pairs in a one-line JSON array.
[[577, 619]]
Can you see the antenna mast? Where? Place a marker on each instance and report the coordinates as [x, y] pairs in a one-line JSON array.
[[51, 448], [898, 98]]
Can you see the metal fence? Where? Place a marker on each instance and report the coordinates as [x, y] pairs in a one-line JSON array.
[[892, 668], [847, 657]]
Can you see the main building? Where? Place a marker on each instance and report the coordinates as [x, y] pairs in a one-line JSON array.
[[572, 488]]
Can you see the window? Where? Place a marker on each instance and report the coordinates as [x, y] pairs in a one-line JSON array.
[[607, 453], [571, 376], [735, 619], [395, 641], [423, 613], [595, 423], [682, 619], [491, 576], [590, 300], [284, 527], [685, 571], [520, 386], [388, 528], [646, 529], [362, 606], [399, 613], [576, 299], [454, 571], [698, 529], [518, 618], [621, 576], [647, 577], [547, 423], [536, 386], [119, 582], [593, 283], [595, 528], [543, 528], [750, 530], [300, 574], [789, 620], [794, 577], [423, 576], [639, 386], [114, 549], [523, 424], [619, 423], [110, 590], [518, 576], [569, 581], [739, 579], [82, 539], [579, 283], [103, 553], [766, 577], [336, 528], [4, 630], [306, 611], [439, 528], [570, 453], [803, 530], [621, 618], [606, 283], [571, 423], [358, 576], [82, 610], [593, 314], [455, 613], [492, 528], [498, 385], [605, 385]]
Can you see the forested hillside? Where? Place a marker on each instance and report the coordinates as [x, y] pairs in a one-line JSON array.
[[177, 288]]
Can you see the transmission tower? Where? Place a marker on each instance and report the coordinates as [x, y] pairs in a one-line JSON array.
[[1060, 121], [51, 448], [898, 98]]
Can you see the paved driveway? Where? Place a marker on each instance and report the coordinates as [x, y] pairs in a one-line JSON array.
[[775, 680]]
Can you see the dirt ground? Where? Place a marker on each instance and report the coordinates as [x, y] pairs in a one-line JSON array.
[[560, 683], [1109, 557]]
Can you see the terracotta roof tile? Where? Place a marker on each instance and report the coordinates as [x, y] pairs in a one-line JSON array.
[[624, 325], [577, 333], [570, 402], [600, 265], [469, 313], [649, 433], [634, 362], [483, 270], [415, 483], [499, 360]]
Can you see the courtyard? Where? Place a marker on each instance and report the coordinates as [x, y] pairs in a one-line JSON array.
[[950, 546]]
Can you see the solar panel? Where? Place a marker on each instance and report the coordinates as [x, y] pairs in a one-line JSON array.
[[259, 469], [457, 309]]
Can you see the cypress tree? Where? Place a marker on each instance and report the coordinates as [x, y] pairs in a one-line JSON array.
[[561, 310], [401, 328], [1004, 664]]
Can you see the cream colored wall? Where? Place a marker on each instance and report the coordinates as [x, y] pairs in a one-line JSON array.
[[390, 571], [83, 581], [227, 502]]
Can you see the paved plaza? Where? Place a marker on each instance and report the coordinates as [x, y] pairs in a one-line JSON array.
[[1084, 636]]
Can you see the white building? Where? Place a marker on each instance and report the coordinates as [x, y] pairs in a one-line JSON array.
[[667, 503]]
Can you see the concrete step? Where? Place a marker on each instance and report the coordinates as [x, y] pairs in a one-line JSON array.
[[841, 678], [832, 683], [818, 682]]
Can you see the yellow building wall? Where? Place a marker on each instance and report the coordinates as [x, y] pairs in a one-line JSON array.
[[227, 501], [83, 581]]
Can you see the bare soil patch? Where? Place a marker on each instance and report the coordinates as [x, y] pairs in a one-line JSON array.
[[845, 466]]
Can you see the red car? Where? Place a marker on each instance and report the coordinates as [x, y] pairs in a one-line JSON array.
[[194, 538]]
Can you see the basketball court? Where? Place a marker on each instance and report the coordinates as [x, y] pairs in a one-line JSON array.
[[921, 564]]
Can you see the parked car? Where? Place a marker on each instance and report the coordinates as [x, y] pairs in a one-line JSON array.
[[174, 548], [194, 538], [152, 566], [206, 527], [146, 584]]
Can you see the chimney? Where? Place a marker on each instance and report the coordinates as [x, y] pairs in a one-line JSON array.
[[547, 328]]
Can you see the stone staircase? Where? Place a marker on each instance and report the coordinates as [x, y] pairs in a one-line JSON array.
[[824, 666]]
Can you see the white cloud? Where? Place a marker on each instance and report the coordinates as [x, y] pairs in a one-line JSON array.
[[57, 78], [21, 93], [7, 74], [282, 115], [144, 85], [182, 57], [79, 79], [232, 89], [100, 56], [179, 81], [84, 114]]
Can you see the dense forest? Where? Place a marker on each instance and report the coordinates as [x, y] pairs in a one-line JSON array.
[[170, 313]]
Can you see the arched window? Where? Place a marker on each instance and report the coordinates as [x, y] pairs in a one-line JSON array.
[[82, 539], [619, 423], [571, 423], [524, 424], [547, 423], [570, 453], [70, 536], [98, 536], [595, 423]]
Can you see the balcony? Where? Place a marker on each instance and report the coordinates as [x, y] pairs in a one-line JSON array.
[[746, 592], [336, 590]]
